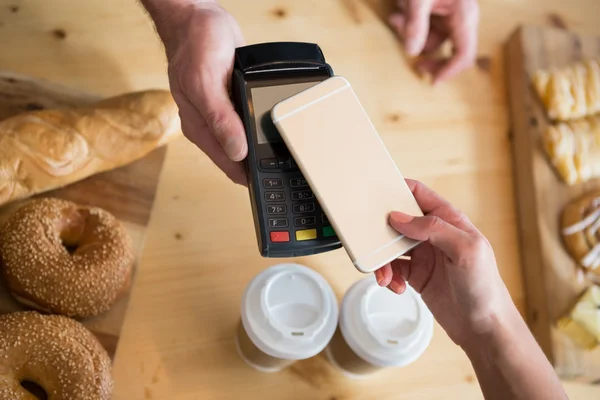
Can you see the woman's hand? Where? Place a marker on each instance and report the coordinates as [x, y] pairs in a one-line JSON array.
[[200, 38], [455, 271], [454, 268], [424, 25]]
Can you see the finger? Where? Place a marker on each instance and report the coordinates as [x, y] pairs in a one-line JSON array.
[[448, 238], [210, 97], [225, 124], [434, 41], [464, 36], [435, 38], [401, 268], [397, 286], [234, 170], [417, 25], [401, 5], [429, 66], [193, 125], [398, 283], [398, 22], [417, 272], [384, 275], [432, 203], [428, 199], [461, 60]]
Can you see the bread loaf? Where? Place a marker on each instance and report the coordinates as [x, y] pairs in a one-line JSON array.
[[48, 149]]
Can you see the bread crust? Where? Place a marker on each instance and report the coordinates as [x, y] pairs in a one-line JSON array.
[[55, 352], [580, 230], [47, 149], [41, 273]]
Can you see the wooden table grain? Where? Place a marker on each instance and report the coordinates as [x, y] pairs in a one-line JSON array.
[[200, 251]]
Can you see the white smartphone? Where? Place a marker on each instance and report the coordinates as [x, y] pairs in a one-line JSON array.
[[349, 169]]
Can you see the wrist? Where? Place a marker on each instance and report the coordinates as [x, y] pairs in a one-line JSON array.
[[169, 15], [505, 331], [162, 7], [509, 363]]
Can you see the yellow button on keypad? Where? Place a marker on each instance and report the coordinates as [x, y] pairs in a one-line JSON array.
[[306, 234]]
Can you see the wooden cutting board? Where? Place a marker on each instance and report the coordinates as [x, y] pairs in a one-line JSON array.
[[127, 192], [551, 281]]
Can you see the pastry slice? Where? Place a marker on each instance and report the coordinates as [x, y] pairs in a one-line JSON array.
[[582, 323], [592, 86], [573, 149], [580, 224], [571, 92]]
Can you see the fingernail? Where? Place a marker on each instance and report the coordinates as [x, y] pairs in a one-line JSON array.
[[235, 150], [410, 47], [395, 287], [378, 276], [400, 217]]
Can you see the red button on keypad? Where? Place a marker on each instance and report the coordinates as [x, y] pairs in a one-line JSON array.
[[281, 236]]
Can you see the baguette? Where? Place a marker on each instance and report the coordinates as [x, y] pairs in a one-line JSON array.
[[49, 149]]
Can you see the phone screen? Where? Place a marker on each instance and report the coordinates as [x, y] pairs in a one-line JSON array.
[[263, 100]]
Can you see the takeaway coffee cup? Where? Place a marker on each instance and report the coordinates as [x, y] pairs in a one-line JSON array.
[[289, 313], [379, 329]]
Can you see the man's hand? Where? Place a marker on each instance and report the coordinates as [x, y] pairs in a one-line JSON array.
[[200, 39], [424, 25]]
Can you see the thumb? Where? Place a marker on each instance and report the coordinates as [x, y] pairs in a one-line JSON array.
[[212, 101], [435, 230], [417, 25], [398, 22]]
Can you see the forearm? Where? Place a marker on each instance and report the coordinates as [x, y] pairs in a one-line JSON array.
[[510, 365]]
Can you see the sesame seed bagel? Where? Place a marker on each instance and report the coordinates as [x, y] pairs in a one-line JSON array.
[[64, 258], [54, 352]]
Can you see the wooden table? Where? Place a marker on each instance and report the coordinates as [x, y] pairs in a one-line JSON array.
[[200, 249]]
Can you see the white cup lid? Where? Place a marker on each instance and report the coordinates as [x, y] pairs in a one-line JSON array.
[[383, 328], [289, 311]]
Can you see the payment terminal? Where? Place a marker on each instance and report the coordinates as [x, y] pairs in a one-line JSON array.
[[288, 220]]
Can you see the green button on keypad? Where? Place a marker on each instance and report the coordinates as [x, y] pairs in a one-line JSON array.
[[328, 231]]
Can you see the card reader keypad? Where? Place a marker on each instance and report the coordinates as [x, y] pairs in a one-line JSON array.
[[278, 164], [302, 195], [273, 183], [268, 163], [278, 222], [304, 208], [276, 209], [298, 182], [305, 221], [274, 196], [300, 221]]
